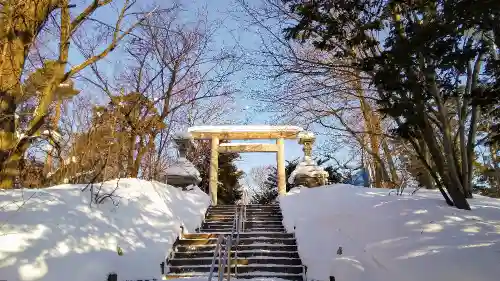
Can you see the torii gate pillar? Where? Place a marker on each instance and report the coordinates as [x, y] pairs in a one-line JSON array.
[[280, 163], [214, 169], [217, 133]]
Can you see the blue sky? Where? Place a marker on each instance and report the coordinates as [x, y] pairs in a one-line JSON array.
[[233, 32]]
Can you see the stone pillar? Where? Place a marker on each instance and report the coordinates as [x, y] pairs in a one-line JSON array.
[[184, 143], [308, 173], [280, 160], [307, 140], [214, 170]]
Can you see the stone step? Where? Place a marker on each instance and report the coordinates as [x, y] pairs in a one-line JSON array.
[[250, 219], [247, 209], [291, 269], [252, 275], [265, 205], [245, 228], [231, 218], [251, 230], [247, 224], [243, 254], [273, 209], [249, 247], [240, 261], [243, 241], [259, 217], [246, 221], [246, 206], [248, 214], [242, 235]]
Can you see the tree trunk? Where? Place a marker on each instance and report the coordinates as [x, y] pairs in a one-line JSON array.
[[419, 149], [461, 108], [9, 167], [55, 125], [130, 156], [426, 177], [471, 143], [21, 24], [392, 168], [450, 179], [378, 173], [11, 65], [138, 158]]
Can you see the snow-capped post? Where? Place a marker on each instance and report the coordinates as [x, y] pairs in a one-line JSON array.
[[112, 276], [307, 172], [182, 173], [162, 267]]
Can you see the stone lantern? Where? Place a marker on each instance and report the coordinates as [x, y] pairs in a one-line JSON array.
[[308, 173], [182, 173]]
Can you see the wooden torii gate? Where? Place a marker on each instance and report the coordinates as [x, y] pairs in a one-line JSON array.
[[217, 133]]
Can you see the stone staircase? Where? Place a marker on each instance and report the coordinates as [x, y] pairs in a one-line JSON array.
[[265, 249]]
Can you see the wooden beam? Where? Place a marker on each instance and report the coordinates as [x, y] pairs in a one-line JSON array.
[[247, 147], [244, 135]]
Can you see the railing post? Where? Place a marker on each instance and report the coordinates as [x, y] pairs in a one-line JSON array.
[[221, 267], [224, 255], [229, 260]]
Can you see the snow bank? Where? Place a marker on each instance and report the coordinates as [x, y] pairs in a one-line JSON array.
[[56, 234], [307, 168], [388, 237]]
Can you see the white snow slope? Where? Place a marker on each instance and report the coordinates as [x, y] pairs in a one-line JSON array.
[[54, 234], [388, 237]]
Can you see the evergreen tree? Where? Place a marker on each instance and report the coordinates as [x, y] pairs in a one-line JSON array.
[[436, 65], [229, 190], [333, 174]]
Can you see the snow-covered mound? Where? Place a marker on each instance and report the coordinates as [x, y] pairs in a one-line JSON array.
[[56, 234], [388, 237]]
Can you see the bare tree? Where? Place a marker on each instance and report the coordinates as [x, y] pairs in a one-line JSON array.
[[22, 23], [171, 64], [314, 88]]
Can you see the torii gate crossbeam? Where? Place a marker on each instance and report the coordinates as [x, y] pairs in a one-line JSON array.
[[217, 133]]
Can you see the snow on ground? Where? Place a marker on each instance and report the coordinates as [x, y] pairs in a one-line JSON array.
[[54, 234], [388, 237]]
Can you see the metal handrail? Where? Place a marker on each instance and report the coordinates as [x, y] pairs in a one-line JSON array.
[[224, 245], [220, 240], [241, 227]]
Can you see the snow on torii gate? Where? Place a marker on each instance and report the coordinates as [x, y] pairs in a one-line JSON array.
[[217, 133]]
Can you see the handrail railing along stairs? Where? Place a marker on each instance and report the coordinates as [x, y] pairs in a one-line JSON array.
[[222, 254]]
